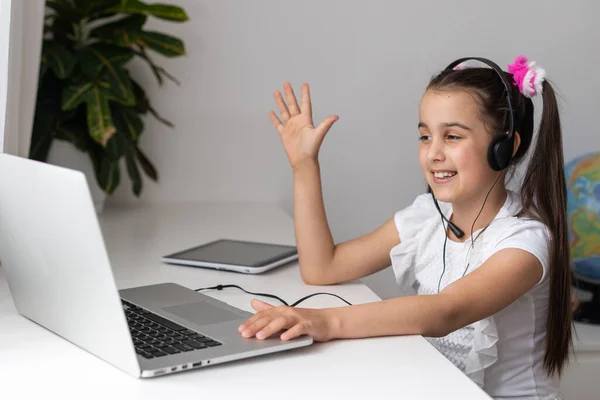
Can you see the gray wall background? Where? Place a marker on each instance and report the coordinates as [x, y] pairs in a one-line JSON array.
[[367, 62]]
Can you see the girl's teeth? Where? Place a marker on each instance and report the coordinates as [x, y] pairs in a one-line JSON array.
[[442, 175]]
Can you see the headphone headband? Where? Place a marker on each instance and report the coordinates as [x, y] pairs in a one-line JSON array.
[[495, 67]]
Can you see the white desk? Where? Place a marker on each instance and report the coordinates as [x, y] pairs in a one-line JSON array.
[[35, 362]]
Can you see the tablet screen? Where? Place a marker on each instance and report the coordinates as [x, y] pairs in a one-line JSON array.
[[235, 252]]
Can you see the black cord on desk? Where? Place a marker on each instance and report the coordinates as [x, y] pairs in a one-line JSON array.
[[221, 287]]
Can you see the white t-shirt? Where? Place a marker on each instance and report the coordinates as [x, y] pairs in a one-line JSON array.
[[503, 353]]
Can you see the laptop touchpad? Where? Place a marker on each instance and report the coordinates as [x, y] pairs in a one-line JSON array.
[[202, 313]]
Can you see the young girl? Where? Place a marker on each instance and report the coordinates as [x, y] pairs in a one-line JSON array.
[[494, 297]]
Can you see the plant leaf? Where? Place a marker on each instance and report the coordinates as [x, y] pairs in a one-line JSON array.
[[156, 70], [65, 9], [142, 104], [128, 122], [119, 84], [41, 135], [96, 6], [73, 128], [73, 95], [43, 68], [141, 100], [119, 143], [168, 12], [41, 141], [146, 164], [107, 174], [47, 110], [163, 11], [134, 173], [131, 23], [153, 66], [99, 117], [122, 38], [59, 59], [116, 146], [100, 15], [75, 131], [161, 119], [123, 32], [162, 71], [130, 7], [167, 45], [94, 58], [47, 113]]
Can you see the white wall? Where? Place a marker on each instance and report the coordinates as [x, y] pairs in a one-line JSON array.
[[4, 44], [367, 62], [19, 71]]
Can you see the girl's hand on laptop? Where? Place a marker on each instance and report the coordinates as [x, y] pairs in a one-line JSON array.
[[270, 320], [301, 139]]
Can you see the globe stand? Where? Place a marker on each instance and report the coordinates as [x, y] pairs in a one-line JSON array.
[[588, 311]]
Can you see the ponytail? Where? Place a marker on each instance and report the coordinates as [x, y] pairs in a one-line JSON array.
[[544, 193]]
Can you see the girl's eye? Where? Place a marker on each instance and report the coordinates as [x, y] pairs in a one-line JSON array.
[[453, 137], [424, 138]]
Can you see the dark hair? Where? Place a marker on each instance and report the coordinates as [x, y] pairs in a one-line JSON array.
[[543, 190]]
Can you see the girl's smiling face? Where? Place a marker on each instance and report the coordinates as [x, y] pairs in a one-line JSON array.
[[454, 146]]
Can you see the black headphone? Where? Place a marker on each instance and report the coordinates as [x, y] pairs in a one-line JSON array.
[[501, 148]]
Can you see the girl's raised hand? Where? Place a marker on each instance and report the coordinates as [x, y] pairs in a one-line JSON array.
[[270, 320], [301, 139]]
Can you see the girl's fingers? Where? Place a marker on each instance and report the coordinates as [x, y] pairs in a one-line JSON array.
[[250, 321], [276, 122], [326, 124], [274, 326], [255, 327], [291, 99], [293, 332], [306, 107], [260, 305], [283, 110]]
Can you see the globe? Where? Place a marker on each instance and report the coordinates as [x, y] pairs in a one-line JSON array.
[[583, 210]]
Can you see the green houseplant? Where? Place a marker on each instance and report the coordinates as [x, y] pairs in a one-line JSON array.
[[86, 95]]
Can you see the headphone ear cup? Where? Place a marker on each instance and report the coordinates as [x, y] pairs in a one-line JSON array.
[[500, 152]]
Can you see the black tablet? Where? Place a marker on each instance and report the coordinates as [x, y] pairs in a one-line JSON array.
[[235, 255]]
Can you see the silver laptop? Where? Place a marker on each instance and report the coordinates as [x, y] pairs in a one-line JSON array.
[[60, 277]]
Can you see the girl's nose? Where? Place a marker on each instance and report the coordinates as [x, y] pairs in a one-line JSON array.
[[436, 151]]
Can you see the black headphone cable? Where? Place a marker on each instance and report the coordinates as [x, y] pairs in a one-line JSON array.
[[221, 287]]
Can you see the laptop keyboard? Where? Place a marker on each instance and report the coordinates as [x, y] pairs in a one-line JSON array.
[[154, 336]]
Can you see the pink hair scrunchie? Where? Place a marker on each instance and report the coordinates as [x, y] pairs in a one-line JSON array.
[[527, 76]]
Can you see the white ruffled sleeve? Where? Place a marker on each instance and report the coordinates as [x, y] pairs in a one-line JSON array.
[[409, 223]]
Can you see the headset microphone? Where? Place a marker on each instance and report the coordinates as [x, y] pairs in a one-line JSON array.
[[455, 229]]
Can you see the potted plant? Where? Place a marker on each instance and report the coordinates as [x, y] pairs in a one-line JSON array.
[[86, 95]]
